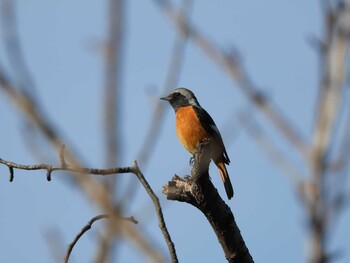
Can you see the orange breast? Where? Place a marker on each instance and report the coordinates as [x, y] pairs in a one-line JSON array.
[[188, 128]]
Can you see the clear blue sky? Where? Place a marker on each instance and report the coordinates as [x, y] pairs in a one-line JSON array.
[[61, 45]]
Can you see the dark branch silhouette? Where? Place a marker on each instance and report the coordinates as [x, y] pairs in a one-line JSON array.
[[199, 191]]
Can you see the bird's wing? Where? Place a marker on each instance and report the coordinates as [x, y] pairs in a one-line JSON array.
[[209, 125]]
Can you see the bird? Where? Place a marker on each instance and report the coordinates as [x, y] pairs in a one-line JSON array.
[[194, 125]]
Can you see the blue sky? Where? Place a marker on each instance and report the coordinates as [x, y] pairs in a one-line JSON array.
[[61, 42]]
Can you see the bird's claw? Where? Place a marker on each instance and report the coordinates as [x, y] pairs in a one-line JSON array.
[[191, 162]]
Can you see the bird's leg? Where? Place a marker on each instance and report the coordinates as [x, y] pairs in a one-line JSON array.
[[191, 162]]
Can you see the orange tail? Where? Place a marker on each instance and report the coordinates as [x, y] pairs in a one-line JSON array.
[[226, 179]]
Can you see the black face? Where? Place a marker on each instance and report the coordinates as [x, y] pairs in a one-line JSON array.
[[177, 100], [181, 97]]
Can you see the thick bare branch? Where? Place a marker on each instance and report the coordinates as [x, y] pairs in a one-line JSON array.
[[199, 191], [334, 67]]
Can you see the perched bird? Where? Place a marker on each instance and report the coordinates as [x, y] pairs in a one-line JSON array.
[[194, 125]]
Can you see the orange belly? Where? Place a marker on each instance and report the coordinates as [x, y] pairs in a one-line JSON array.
[[188, 128]]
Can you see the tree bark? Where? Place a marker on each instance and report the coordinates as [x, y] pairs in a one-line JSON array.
[[199, 191]]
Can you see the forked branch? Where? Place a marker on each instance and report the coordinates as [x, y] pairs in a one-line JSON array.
[[116, 170], [199, 191]]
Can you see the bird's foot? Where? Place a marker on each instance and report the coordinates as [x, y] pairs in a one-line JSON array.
[[191, 162]]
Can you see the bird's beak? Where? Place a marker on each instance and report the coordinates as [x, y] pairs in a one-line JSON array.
[[166, 98]]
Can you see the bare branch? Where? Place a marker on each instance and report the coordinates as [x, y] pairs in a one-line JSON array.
[[279, 159], [332, 84], [29, 107], [62, 159], [341, 161], [94, 190], [199, 191], [88, 227], [133, 169], [13, 46], [161, 221], [334, 66], [54, 241], [50, 168], [112, 109], [113, 74]]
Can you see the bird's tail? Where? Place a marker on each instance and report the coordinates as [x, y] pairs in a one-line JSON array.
[[226, 179]]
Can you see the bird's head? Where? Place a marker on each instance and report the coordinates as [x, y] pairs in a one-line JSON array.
[[181, 97]]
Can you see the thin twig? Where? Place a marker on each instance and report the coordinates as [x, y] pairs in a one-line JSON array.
[[280, 160], [62, 159], [116, 170], [81, 170], [56, 245], [161, 221], [88, 227], [13, 47], [29, 107], [92, 188]]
